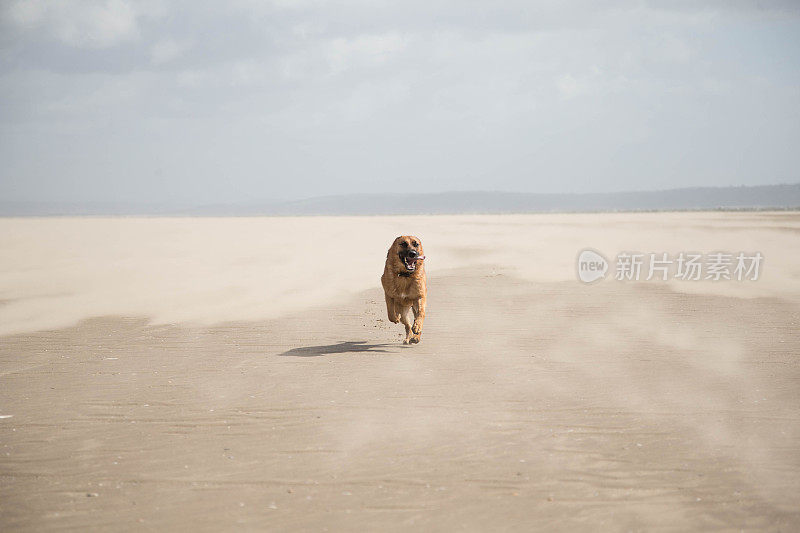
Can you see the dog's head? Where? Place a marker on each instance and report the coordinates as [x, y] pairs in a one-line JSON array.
[[406, 252]]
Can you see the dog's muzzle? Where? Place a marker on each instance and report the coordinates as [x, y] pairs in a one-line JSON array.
[[410, 260]]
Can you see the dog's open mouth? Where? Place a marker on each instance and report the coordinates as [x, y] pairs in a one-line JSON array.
[[411, 262]]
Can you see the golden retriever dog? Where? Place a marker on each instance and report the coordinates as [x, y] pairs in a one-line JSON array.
[[404, 285]]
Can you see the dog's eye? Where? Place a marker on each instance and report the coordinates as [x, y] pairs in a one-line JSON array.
[[404, 243], [414, 243]]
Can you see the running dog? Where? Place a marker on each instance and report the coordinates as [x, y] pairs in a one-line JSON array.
[[404, 285]]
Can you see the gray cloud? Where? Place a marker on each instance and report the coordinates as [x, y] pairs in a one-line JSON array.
[[203, 101]]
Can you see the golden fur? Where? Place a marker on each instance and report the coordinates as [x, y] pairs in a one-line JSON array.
[[405, 289]]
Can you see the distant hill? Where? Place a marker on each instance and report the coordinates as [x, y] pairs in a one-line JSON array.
[[695, 198]]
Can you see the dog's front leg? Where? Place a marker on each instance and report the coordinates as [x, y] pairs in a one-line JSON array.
[[419, 318], [391, 310]]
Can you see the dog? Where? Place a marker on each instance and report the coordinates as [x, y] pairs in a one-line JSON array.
[[404, 285]]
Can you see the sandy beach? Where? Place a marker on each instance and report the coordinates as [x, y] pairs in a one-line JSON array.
[[208, 374]]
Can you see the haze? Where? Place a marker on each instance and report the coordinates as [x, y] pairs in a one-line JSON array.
[[207, 102]]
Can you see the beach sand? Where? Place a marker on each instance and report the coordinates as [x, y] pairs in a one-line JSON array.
[[214, 374]]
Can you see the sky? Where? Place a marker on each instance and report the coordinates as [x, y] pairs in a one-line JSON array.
[[196, 102]]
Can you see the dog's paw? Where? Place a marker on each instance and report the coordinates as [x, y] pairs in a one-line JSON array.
[[406, 341], [414, 339]]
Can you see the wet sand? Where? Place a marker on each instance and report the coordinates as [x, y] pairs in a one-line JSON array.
[[533, 402]]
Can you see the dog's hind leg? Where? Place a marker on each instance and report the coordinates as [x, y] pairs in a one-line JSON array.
[[405, 318]]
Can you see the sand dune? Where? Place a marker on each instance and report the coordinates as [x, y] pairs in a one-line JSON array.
[[210, 374]]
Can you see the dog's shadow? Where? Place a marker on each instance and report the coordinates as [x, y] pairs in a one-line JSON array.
[[331, 349]]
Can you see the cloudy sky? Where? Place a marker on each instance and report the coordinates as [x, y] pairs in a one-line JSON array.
[[204, 102]]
